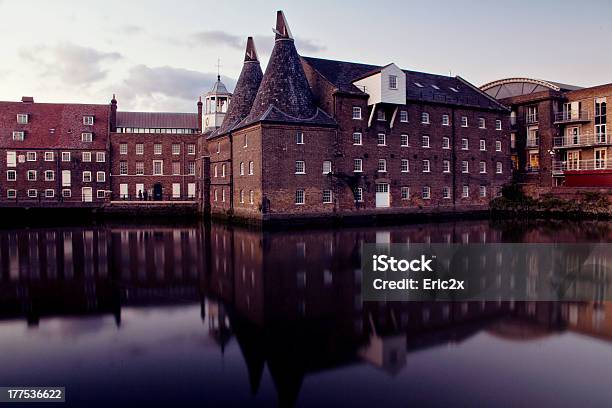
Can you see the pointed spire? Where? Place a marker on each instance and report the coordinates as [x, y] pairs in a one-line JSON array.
[[250, 54], [282, 28]]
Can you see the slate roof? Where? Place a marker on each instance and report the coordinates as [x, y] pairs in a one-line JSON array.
[[284, 94], [430, 88], [218, 88], [157, 120], [245, 91]]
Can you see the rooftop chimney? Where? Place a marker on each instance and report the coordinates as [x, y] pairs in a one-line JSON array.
[[27, 99]]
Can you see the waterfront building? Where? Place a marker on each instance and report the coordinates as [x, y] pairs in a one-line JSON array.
[[559, 134]]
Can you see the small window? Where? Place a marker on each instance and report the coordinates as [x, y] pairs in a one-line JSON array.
[[482, 124], [49, 193], [327, 167], [100, 157], [88, 120], [498, 124], [464, 121], [191, 148], [446, 166], [49, 156], [49, 175], [158, 167], [246, 140], [426, 166], [123, 168], [357, 139], [218, 147], [498, 168], [483, 167], [242, 168], [139, 148], [123, 148], [100, 176], [392, 82], [498, 146], [382, 165], [101, 194], [157, 148], [465, 145], [31, 156], [436, 87], [18, 135], [446, 192], [86, 137], [357, 165], [250, 168], [356, 112], [381, 115], [483, 145], [382, 140], [465, 166], [10, 193], [299, 138], [31, 175], [139, 168], [32, 193], [87, 176], [418, 84], [299, 197], [403, 116], [11, 175], [482, 191], [445, 143], [425, 141], [223, 170], [191, 168], [359, 194], [66, 193], [454, 89], [426, 193], [404, 141], [176, 149], [65, 156], [445, 120], [405, 166], [405, 193], [22, 118], [86, 156], [300, 167], [425, 118], [251, 197], [327, 196], [241, 196], [465, 193]]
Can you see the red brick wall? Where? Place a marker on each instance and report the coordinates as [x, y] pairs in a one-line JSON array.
[[219, 150]]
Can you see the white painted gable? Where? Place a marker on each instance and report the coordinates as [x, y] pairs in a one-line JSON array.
[[378, 86]]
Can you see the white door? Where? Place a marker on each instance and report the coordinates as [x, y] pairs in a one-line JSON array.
[[382, 195], [191, 190], [123, 191], [176, 190], [139, 190], [87, 194]]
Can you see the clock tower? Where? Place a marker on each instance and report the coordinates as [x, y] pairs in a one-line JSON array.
[[216, 104]]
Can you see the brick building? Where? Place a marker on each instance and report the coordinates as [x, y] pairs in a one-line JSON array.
[[54, 154], [559, 132], [324, 137]]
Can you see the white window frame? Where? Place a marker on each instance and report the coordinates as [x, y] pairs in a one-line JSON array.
[[123, 148], [251, 166], [358, 195], [405, 166], [23, 118], [356, 113], [300, 167], [483, 145], [49, 193], [404, 140], [425, 142], [49, 175], [100, 157], [31, 156], [426, 166], [499, 168], [161, 167], [498, 124], [498, 146], [86, 157], [329, 199], [482, 167], [157, 149], [101, 177], [482, 191], [381, 166], [404, 116], [357, 165], [18, 135], [300, 197], [299, 138], [176, 149], [465, 144], [425, 118], [87, 177], [445, 120], [445, 142], [464, 121], [446, 192], [31, 175], [465, 166], [11, 175], [465, 191], [426, 193], [88, 120], [405, 193], [482, 123], [11, 193], [327, 167], [86, 137], [378, 139], [357, 135], [32, 193], [191, 148], [393, 82], [65, 156], [446, 166], [139, 148]]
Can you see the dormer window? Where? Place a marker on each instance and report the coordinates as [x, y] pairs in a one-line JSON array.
[[88, 120], [436, 87], [22, 118], [18, 135], [392, 82], [418, 84], [381, 115], [86, 137], [453, 89]]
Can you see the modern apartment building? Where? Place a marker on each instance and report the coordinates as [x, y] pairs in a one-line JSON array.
[[559, 132]]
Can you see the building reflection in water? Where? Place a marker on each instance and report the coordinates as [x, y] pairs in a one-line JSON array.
[[291, 300]]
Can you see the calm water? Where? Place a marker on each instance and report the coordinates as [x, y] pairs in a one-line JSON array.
[[197, 316]]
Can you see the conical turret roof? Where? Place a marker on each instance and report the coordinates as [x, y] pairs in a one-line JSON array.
[[245, 91], [284, 94]]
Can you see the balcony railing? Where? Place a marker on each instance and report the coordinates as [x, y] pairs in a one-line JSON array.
[[578, 165], [531, 118], [571, 116], [587, 139], [533, 141], [532, 168]]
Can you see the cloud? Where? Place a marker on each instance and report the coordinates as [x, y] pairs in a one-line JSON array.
[[264, 43], [129, 29], [165, 88], [71, 63]]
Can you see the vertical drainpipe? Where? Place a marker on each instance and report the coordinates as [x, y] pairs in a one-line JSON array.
[[230, 136], [454, 156]]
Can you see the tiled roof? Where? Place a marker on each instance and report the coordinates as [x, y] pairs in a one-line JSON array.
[[245, 91], [53, 125], [420, 86], [157, 120], [284, 94]]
